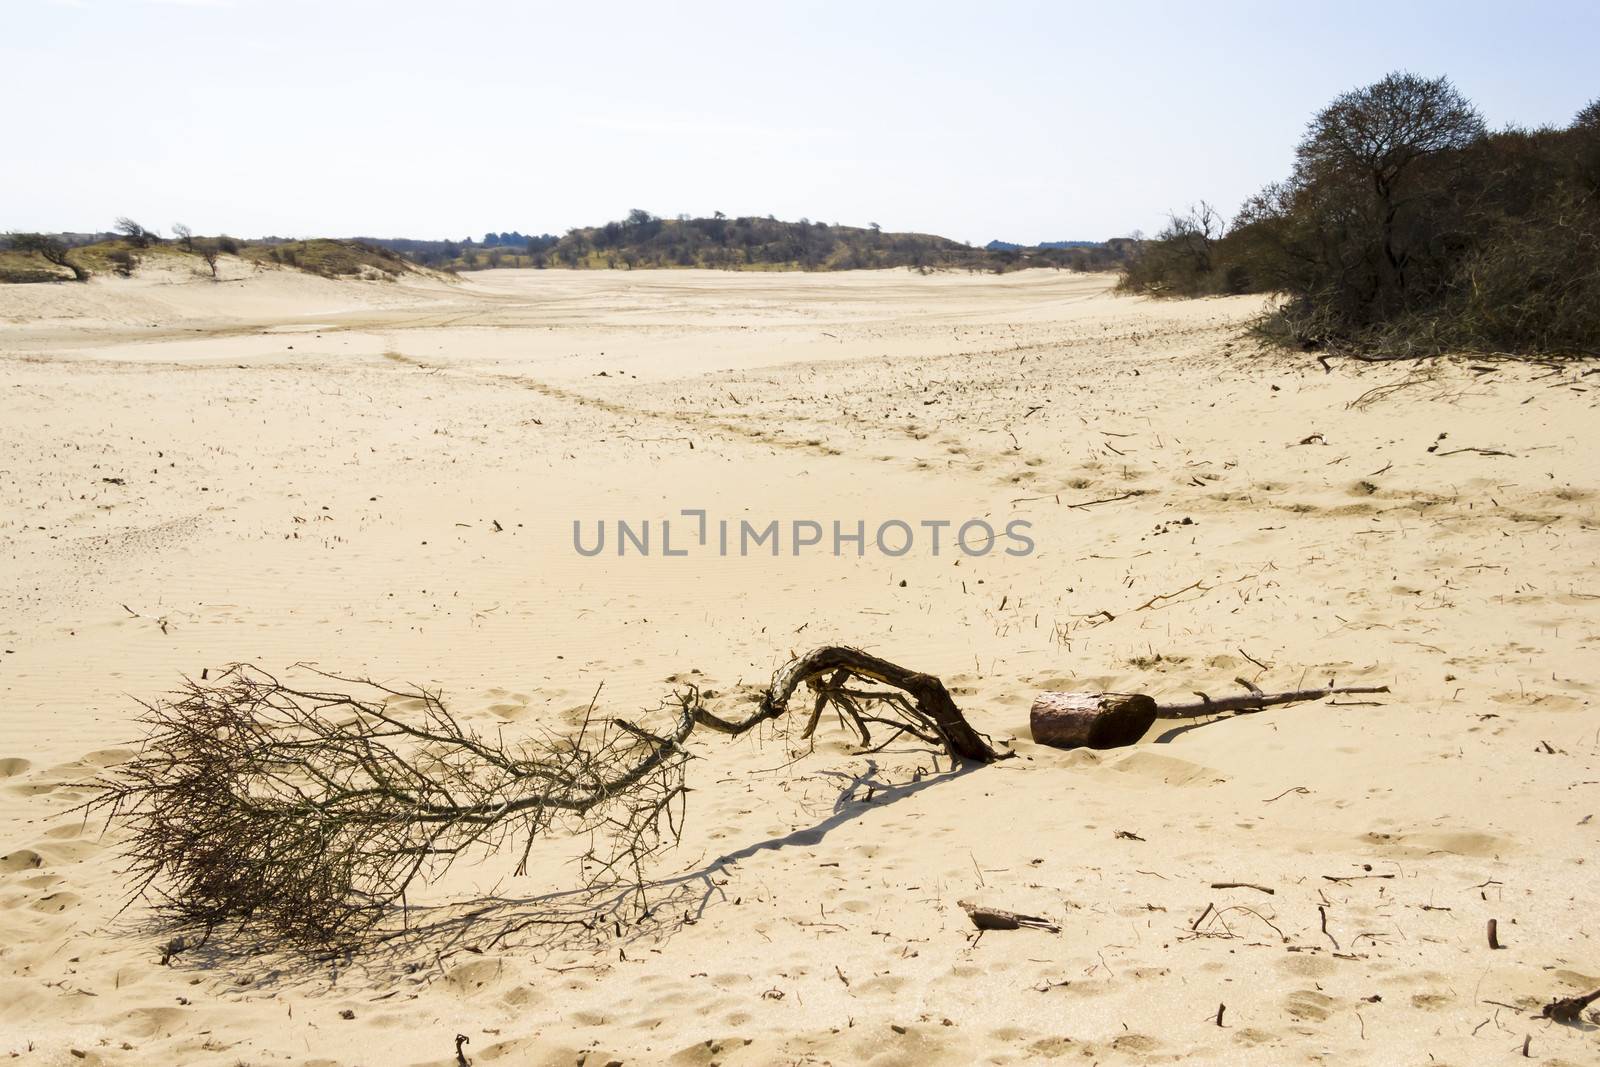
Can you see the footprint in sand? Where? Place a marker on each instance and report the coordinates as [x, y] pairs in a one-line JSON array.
[[24, 859], [55, 903], [1308, 1005]]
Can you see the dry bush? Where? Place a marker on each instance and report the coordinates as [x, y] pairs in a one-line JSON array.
[[312, 813]]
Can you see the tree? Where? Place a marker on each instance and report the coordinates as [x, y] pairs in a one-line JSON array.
[[48, 248], [209, 251], [185, 236], [1377, 135], [135, 234]]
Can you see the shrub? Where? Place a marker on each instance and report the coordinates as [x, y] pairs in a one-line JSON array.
[[1407, 228]]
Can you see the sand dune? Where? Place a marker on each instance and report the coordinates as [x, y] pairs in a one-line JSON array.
[[382, 479]]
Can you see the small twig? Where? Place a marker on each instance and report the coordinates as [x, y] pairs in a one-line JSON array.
[[1252, 659], [1106, 499], [1169, 596], [1244, 885], [1323, 911], [1480, 451]]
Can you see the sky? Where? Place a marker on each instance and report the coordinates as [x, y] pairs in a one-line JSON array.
[[1020, 121]]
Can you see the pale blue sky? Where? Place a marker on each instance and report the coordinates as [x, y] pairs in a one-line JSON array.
[[1025, 121]]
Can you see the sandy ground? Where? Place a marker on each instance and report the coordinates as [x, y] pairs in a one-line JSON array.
[[280, 468]]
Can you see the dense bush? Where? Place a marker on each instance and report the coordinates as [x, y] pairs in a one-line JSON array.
[[1407, 228]]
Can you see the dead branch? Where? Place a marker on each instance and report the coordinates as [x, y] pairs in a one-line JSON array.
[[1569, 1009], [314, 812], [1255, 701], [1115, 720]]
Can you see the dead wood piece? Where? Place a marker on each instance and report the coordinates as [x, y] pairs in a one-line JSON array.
[[929, 713], [1090, 720], [1115, 720], [1001, 919], [1256, 700], [1569, 1009]]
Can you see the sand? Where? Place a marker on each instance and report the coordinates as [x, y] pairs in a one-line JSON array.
[[280, 468]]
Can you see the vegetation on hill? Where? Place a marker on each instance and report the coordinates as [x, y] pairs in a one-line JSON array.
[[1408, 228], [36, 257], [331, 258], [640, 241]]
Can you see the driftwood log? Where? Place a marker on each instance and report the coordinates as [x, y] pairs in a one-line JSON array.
[[1091, 720], [1114, 720]]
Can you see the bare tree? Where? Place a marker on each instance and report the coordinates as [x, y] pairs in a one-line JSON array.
[[185, 236], [1379, 132], [314, 812], [48, 248], [1194, 233], [209, 251], [135, 234]]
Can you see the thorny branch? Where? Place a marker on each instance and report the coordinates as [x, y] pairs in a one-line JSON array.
[[312, 813]]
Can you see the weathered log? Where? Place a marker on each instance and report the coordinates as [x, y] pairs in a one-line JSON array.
[[1114, 720], [1091, 720]]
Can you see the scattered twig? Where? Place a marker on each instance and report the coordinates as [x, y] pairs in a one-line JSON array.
[[1168, 596], [1479, 451], [1252, 659], [1322, 910], [1107, 499]]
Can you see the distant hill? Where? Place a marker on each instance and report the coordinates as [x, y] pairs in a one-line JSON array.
[[59, 257], [1007, 246], [640, 241], [645, 241], [1112, 254]]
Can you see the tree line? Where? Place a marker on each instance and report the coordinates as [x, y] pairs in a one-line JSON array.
[[1407, 227]]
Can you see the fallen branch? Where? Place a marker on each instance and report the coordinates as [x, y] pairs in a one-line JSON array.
[[1115, 720], [314, 812], [1569, 1009], [1255, 701]]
